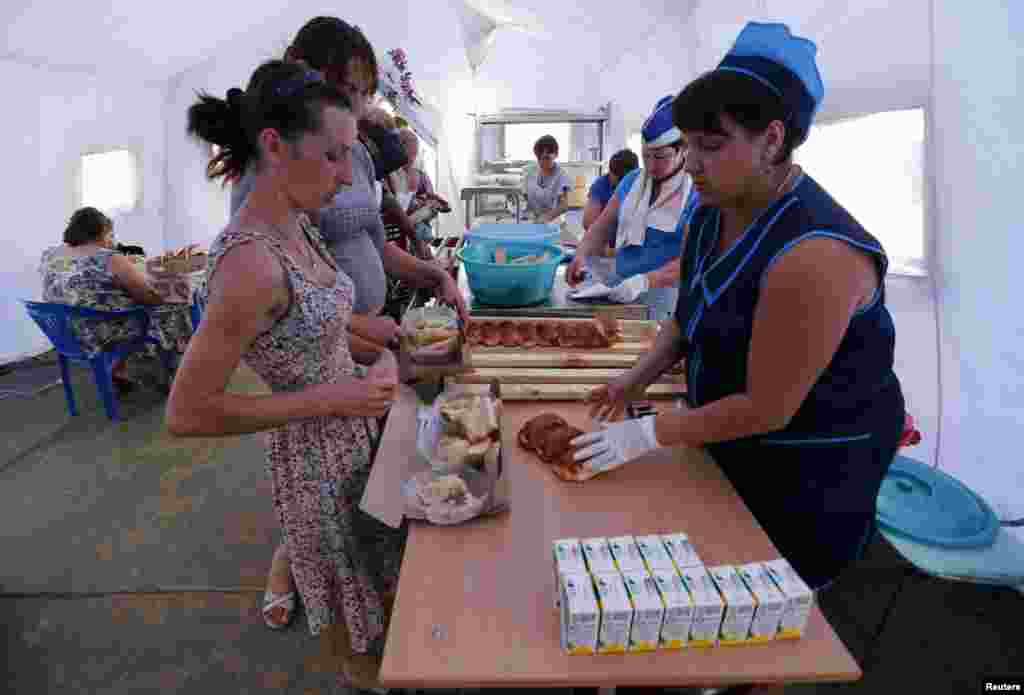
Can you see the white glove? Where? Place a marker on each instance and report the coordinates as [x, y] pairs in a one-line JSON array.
[[615, 444]]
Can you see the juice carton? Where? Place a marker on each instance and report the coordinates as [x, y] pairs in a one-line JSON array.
[[681, 550], [655, 555], [581, 615], [675, 627], [799, 598], [626, 553], [708, 606], [598, 555], [616, 613], [568, 557], [770, 601], [739, 605], [648, 610]]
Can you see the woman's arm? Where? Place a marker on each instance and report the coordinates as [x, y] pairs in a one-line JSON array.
[[591, 212], [666, 276], [247, 295], [806, 303], [363, 351], [133, 281], [600, 233], [664, 354], [425, 275]]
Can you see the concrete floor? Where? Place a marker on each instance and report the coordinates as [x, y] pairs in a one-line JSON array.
[[135, 563]]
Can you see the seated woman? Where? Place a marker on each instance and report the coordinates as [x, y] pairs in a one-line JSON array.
[[86, 271]]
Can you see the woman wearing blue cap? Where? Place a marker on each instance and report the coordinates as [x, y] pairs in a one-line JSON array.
[[643, 217], [781, 318]]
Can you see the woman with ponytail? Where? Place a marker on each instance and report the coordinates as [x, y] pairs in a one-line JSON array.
[[351, 225], [275, 297]]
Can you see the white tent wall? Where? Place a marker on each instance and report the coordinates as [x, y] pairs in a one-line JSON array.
[[58, 116], [979, 241], [429, 34]]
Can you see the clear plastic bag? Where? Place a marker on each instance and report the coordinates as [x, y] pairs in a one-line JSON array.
[[430, 335], [447, 498], [436, 433]]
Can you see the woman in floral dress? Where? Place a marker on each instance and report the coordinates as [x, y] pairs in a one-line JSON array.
[[275, 298], [86, 271]]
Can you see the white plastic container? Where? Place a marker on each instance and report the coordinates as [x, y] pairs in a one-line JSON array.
[[708, 606], [739, 605], [799, 598], [681, 550], [648, 610], [616, 613], [580, 614], [770, 601], [598, 555], [626, 553], [679, 610], [567, 558]]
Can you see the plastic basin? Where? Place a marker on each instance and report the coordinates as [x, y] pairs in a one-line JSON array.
[[510, 284], [539, 233]]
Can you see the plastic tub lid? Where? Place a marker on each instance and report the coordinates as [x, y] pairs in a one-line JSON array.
[[930, 507]]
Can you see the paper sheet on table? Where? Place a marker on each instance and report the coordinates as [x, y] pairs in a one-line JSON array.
[[624, 292]]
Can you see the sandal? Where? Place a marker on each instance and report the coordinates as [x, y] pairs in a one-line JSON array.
[[272, 601]]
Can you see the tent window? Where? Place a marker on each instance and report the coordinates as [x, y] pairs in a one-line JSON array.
[[520, 138], [110, 181], [874, 167]]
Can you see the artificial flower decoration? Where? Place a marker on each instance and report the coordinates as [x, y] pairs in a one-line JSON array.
[[396, 89]]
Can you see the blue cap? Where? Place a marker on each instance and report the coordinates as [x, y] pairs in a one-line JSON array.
[[659, 130], [784, 63]]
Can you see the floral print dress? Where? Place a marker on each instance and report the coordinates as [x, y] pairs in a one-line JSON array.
[[343, 561], [86, 281]]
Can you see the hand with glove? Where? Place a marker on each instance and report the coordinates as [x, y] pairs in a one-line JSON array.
[[615, 444]]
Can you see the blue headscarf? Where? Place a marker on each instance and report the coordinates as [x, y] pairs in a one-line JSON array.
[[784, 63], [659, 130]]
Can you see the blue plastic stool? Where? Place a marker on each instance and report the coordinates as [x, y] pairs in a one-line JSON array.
[[54, 319]]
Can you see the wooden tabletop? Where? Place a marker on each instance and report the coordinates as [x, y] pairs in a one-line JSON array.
[[474, 605]]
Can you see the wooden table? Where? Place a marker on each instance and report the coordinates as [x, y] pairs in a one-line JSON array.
[[474, 605]]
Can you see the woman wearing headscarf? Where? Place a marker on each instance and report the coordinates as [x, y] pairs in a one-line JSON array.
[[781, 319], [643, 217]]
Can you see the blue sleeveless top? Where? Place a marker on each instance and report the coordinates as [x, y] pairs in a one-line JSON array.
[[825, 468]]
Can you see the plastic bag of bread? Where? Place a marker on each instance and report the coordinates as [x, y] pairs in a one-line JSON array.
[[452, 497], [430, 335], [460, 429]]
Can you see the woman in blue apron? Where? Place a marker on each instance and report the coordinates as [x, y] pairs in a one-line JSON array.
[[781, 319], [643, 218]]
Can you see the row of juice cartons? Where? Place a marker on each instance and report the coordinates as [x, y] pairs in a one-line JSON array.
[[640, 594]]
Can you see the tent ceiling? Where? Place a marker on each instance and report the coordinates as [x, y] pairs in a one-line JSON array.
[[152, 41], [142, 41]]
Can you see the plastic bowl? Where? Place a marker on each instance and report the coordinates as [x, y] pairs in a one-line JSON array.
[[538, 233], [510, 284]]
